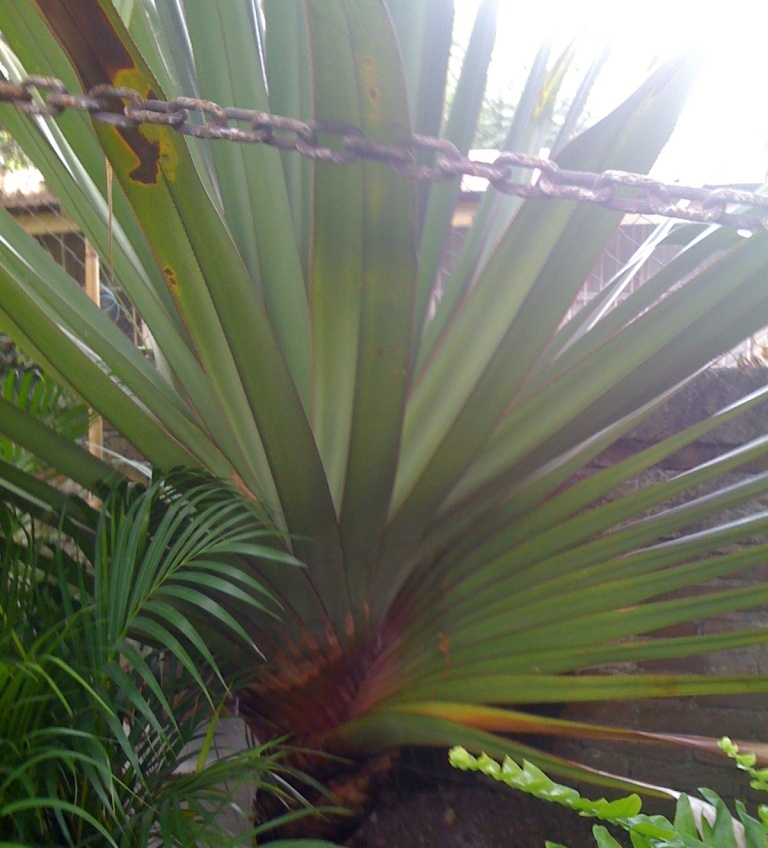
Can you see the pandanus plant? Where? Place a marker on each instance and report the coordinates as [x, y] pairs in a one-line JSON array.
[[422, 452]]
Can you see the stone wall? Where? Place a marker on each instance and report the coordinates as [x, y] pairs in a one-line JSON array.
[[740, 717]]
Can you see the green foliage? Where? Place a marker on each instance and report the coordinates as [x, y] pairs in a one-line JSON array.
[[110, 691], [31, 391], [746, 762], [695, 825], [423, 437]]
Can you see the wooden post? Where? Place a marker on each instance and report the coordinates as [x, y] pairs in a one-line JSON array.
[[96, 427]]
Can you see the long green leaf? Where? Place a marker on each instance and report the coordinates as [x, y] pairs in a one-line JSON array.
[[290, 95], [225, 318], [443, 431], [361, 305], [460, 128], [247, 174]]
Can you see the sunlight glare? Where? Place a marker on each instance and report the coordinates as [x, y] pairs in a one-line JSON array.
[[722, 136]]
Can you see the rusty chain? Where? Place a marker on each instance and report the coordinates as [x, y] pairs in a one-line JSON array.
[[617, 190]]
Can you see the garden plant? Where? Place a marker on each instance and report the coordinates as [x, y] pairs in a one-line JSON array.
[[24, 386], [110, 691], [417, 433], [696, 823]]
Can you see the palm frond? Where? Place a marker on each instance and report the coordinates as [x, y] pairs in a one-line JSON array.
[[105, 734], [421, 436]]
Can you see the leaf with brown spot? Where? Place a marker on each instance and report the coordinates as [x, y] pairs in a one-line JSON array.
[[87, 35]]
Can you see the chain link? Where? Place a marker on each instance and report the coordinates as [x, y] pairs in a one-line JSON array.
[[617, 190]]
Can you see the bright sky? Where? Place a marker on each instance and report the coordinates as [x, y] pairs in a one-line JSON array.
[[722, 136]]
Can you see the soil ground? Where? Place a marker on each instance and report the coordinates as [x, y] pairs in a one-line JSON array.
[[419, 806]]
